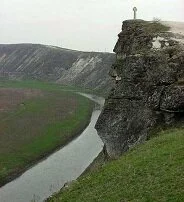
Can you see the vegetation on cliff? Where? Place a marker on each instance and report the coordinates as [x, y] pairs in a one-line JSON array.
[[149, 172], [35, 119], [154, 27]]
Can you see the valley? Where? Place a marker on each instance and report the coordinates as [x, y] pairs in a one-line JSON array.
[[56, 65], [35, 119]]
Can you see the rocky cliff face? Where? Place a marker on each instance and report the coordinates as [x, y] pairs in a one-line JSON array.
[[149, 85], [69, 67]]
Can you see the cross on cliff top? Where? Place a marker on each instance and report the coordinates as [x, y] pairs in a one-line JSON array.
[[135, 13]]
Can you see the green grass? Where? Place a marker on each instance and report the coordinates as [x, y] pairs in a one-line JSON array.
[[48, 86], [35, 84], [44, 86], [151, 27], [41, 125], [153, 172]]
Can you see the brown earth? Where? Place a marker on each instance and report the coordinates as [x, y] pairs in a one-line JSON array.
[[17, 129], [10, 98], [34, 123]]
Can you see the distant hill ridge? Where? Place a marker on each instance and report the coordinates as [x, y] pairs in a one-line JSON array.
[[50, 63]]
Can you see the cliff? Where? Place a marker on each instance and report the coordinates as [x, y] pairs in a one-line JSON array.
[[149, 85], [48, 63]]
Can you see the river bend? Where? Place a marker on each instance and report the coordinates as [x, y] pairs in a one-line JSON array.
[[65, 165]]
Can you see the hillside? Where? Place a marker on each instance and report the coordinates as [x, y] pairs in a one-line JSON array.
[[35, 119], [150, 172], [49, 63]]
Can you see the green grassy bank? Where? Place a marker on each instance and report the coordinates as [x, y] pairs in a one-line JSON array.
[[153, 172], [40, 125]]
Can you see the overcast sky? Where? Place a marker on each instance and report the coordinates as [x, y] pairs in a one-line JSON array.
[[89, 25]]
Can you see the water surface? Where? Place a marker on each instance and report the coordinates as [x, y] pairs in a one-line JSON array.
[[65, 165]]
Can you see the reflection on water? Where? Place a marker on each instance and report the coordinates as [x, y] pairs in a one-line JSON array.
[[65, 165]]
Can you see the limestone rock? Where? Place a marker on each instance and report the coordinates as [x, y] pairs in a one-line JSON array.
[[173, 99], [151, 89]]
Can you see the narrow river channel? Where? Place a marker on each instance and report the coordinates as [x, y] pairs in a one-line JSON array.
[[65, 165]]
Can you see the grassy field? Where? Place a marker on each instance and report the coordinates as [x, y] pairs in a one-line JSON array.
[[35, 119], [48, 86], [153, 172], [36, 85]]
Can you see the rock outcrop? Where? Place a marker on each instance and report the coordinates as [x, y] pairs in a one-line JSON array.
[[149, 86], [48, 63]]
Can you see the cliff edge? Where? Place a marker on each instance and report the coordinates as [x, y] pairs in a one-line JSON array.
[[149, 85]]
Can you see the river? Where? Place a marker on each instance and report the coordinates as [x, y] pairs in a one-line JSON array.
[[65, 165]]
